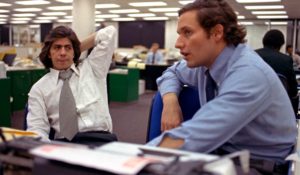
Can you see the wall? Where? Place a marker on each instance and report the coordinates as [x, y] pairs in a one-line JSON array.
[[254, 36]]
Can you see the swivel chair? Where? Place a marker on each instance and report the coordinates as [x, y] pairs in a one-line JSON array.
[[189, 103]]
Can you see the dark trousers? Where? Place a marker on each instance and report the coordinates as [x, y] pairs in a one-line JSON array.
[[92, 138], [259, 166]]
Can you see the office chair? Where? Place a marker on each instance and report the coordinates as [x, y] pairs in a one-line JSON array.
[[9, 59], [294, 100], [189, 103], [52, 131]]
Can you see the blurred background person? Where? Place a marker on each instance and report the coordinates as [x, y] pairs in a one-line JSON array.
[[296, 57], [154, 56]]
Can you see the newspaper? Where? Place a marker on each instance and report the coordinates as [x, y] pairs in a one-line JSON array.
[[108, 159]]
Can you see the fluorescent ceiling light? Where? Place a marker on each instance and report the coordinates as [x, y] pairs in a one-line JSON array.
[[123, 19], [2, 22], [171, 14], [1, 19], [268, 12], [97, 12], [273, 17], [18, 22], [32, 2], [99, 20], [64, 20], [141, 15], [246, 23], [65, 1], [277, 23], [147, 4], [108, 16], [28, 9], [41, 21], [106, 6], [47, 17], [241, 17], [185, 2], [24, 14], [54, 13], [21, 19], [124, 11], [2, 4], [3, 16], [263, 7], [4, 11], [164, 9], [256, 1], [155, 18], [68, 17], [34, 26], [66, 7]]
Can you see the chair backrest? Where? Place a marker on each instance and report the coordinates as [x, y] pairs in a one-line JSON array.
[[284, 81], [189, 103], [9, 59], [294, 100]]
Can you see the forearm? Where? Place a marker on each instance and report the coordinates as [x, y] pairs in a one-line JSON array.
[[88, 43], [169, 142]]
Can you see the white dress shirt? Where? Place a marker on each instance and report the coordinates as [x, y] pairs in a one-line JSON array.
[[88, 85]]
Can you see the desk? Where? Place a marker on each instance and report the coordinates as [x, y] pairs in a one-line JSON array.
[[123, 158], [151, 73], [21, 82], [112, 158], [123, 87], [5, 106]]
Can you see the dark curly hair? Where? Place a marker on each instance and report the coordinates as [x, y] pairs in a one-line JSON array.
[[213, 12], [58, 33]]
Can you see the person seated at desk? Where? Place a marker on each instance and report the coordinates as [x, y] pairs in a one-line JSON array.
[[243, 103], [295, 56], [72, 97], [282, 64], [154, 56]]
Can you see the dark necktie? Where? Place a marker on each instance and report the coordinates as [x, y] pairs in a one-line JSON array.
[[210, 87], [68, 121], [153, 58]]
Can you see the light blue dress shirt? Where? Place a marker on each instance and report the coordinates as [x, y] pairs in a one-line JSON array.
[[250, 111], [159, 58]]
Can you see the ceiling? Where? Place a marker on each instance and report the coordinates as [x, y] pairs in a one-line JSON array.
[[290, 6]]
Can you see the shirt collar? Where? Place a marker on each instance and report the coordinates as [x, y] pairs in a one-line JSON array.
[[55, 73], [219, 67]]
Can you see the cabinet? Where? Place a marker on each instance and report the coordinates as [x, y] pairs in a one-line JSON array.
[[21, 82], [5, 106], [123, 87]]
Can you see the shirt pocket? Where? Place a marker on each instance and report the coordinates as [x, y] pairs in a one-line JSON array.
[[88, 93]]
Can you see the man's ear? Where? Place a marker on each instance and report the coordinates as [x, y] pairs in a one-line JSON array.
[[217, 32]]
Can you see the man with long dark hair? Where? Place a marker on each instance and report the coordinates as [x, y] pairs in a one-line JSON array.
[[72, 97], [243, 103]]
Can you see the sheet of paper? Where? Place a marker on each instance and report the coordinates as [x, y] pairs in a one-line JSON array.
[[102, 160]]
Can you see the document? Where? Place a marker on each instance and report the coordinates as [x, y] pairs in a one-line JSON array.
[[11, 133], [108, 159]]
